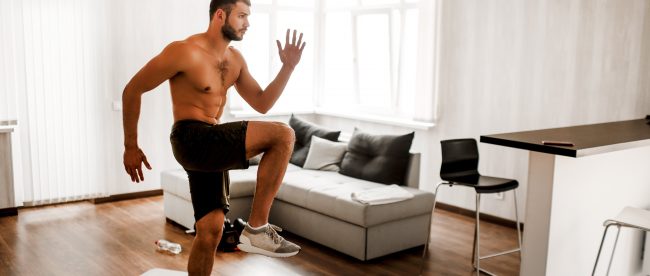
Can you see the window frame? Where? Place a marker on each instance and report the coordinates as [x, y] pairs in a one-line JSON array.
[[237, 104], [318, 92], [395, 60]]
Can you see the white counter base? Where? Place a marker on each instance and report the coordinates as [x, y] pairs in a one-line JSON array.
[[568, 201]]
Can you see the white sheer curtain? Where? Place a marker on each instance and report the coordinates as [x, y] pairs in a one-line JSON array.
[[53, 72], [426, 92], [8, 79]]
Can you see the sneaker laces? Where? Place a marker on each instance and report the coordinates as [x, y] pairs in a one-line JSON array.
[[272, 231]]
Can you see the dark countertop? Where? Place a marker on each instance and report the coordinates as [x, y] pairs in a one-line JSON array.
[[586, 139]]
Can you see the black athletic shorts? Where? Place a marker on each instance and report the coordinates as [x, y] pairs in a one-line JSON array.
[[207, 152]]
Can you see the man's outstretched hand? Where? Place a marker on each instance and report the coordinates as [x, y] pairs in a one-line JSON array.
[[292, 52], [133, 159]]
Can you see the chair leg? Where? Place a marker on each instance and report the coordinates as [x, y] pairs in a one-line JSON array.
[[476, 256], [514, 192], [426, 245], [614, 249], [593, 272], [476, 236], [474, 247]]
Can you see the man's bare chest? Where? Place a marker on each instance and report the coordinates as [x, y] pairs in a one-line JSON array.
[[211, 76]]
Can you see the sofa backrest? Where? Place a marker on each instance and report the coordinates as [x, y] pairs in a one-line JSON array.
[[413, 171]]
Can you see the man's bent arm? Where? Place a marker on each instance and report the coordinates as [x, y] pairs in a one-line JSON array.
[[160, 68], [249, 89], [131, 102], [262, 100]]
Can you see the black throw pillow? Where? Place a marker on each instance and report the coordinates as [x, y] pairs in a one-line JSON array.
[[378, 158], [304, 130]]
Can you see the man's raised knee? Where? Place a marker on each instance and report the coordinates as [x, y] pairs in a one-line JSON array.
[[287, 136]]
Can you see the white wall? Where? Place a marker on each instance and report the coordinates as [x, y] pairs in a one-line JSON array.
[[139, 31], [510, 66], [504, 66]]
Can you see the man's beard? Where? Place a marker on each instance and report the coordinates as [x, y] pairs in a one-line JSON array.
[[230, 33]]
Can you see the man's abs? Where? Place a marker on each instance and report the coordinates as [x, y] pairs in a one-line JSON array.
[[199, 92], [198, 114], [190, 103]]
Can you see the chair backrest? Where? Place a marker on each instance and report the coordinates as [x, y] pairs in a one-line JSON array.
[[459, 158]]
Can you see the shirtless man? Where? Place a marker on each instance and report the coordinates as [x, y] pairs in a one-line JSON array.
[[200, 69]]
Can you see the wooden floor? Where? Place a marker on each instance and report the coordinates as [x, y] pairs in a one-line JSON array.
[[118, 239]]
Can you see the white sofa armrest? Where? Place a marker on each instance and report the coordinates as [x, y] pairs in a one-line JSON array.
[[413, 171]]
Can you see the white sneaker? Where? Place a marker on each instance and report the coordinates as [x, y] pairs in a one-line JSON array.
[[266, 241]]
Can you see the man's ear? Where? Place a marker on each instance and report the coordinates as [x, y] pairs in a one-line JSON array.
[[220, 15]]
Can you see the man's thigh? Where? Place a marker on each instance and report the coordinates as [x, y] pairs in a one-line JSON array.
[[261, 136], [209, 191], [198, 146]]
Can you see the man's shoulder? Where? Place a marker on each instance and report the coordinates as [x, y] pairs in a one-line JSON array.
[[182, 47], [235, 52], [183, 53], [236, 55]]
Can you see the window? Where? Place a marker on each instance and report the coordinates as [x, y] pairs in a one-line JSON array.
[[269, 21], [361, 57]]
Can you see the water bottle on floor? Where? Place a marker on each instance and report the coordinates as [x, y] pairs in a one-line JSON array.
[[167, 246]]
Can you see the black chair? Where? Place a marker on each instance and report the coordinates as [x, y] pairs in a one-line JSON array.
[[460, 167]]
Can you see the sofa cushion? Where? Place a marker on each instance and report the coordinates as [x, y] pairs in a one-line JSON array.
[[377, 158], [304, 131], [324, 155], [242, 182], [329, 193], [175, 182]]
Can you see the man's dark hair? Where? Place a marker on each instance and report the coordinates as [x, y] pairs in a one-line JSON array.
[[225, 5]]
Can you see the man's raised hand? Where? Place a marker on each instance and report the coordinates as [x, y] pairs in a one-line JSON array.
[[292, 51]]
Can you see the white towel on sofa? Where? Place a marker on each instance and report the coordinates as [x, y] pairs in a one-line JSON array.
[[382, 195]]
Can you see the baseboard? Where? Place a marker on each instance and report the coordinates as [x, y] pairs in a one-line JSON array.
[[484, 217], [127, 196], [6, 212]]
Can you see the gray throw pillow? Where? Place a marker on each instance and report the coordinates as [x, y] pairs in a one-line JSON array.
[[378, 158], [324, 155], [304, 130]]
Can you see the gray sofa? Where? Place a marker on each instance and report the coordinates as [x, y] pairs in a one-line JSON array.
[[317, 205]]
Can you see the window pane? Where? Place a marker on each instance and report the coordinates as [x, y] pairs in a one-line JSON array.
[[338, 83], [296, 3], [395, 44], [374, 60], [341, 3], [255, 47], [257, 60], [378, 2], [299, 90], [408, 65]]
